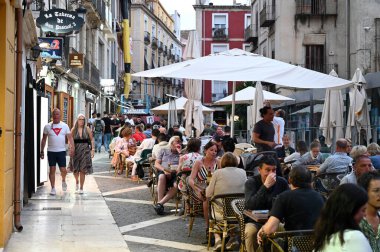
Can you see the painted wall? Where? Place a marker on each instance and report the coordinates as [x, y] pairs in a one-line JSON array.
[[7, 117]]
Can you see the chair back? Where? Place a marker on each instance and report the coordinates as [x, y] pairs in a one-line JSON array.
[[145, 153], [238, 207], [226, 200], [325, 183], [297, 240]]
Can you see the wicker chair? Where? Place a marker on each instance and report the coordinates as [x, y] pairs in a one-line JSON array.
[[228, 216], [297, 240], [238, 207], [154, 176]]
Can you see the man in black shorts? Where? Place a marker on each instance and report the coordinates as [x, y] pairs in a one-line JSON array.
[[57, 132]]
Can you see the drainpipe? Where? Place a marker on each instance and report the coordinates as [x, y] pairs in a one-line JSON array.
[[348, 53], [17, 200], [126, 47]]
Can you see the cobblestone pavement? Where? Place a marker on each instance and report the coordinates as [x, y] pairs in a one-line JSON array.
[[132, 208]]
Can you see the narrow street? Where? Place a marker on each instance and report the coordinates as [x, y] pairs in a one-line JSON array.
[[132, 208]]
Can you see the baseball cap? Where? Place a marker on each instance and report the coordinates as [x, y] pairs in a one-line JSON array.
[[218, 138]]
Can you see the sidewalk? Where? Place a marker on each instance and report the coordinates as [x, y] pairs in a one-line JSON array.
[[68, 221]]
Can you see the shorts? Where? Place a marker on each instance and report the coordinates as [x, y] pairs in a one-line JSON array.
[[57, 157], [169, 180]]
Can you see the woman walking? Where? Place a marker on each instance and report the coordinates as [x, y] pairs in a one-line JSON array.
[[81, 163]]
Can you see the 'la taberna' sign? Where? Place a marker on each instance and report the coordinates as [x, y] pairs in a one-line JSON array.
[[59, 21]]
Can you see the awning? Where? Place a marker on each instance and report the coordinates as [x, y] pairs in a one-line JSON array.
[[318, 108]]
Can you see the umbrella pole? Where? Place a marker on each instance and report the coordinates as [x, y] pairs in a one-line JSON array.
[[233, 108]]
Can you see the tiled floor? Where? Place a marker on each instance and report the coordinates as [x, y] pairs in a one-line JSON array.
[[67, 222]]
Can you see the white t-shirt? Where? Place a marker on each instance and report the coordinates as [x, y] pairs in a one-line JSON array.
[[279, 127], [56, 136], [354, 241]]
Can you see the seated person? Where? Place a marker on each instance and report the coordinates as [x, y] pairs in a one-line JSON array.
[[362, 164], [166, 178], [125, 147], [260, 191], [139, 135], [301, 149], [230, 179], [227, 133], [298, 208], [218, 141], [338, 162], [358, 150], [228, 145], [313, 157], [285, 150], [369, 225], [374, 152], [161, 143]]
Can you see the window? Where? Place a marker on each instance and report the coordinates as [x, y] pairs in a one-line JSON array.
[[219, 89], [273, 47], [220, 23], [247, 47], [247, 20], [153, 30], [315, 57]]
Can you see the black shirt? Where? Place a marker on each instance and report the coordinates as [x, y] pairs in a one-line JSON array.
[[266, 132], [107, 123], [115, 122], [281, 152], [298, 208], [258, 197]]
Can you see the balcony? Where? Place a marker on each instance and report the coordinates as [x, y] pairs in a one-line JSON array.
[[154, 43], [250, 34], [322, 68], [169, 55], [316, 8], [95, 79], [165, 50], [268, 16], [146, 37], [160, 46], [219, 33]]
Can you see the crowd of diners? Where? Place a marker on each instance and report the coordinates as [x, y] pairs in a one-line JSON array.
[[346, 220]]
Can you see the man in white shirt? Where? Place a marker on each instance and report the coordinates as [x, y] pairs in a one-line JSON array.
[[279, 127], [57, 132], [130, 120]]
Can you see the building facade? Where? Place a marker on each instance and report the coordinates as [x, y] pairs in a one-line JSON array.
[[220, 28], [320, 35], [155, 43]]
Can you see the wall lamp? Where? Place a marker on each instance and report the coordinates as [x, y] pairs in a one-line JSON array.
[[36, 50]]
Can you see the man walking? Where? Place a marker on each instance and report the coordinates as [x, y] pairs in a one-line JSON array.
[[57, 131], [107, 131], [98, 132]]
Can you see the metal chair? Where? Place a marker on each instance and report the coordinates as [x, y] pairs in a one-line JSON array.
[[222, 226], [238, 207], [154, 176], [252, 162], [325, 183], [297, 240]]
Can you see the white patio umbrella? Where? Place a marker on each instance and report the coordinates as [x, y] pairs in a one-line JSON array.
[[180, 105], [193, 89], [332, 114], [172, 112], [258, 103], [358, 114], [239, 65], [245, 96]]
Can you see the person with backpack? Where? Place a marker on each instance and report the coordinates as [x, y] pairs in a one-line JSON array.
[[99, 127]]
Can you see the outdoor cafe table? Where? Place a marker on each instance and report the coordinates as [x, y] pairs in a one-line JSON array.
[[261, 218]]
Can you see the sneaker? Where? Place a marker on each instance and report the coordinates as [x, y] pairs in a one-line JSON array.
[[81, 191], [218, 245], [76, 187], [64, 186], [159, 208], [53, 192], [232, 244]]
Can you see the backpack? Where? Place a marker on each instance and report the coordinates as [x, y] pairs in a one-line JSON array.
[[98, 127]]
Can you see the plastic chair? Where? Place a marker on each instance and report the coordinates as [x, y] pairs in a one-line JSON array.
[[297, 240], [238, 207], [228, 216]]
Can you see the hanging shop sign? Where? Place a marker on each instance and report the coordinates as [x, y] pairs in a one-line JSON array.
[[51, 47], [76, 60], [59, 21]]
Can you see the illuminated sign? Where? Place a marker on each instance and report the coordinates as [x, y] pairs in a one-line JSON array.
[[51, 47]]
